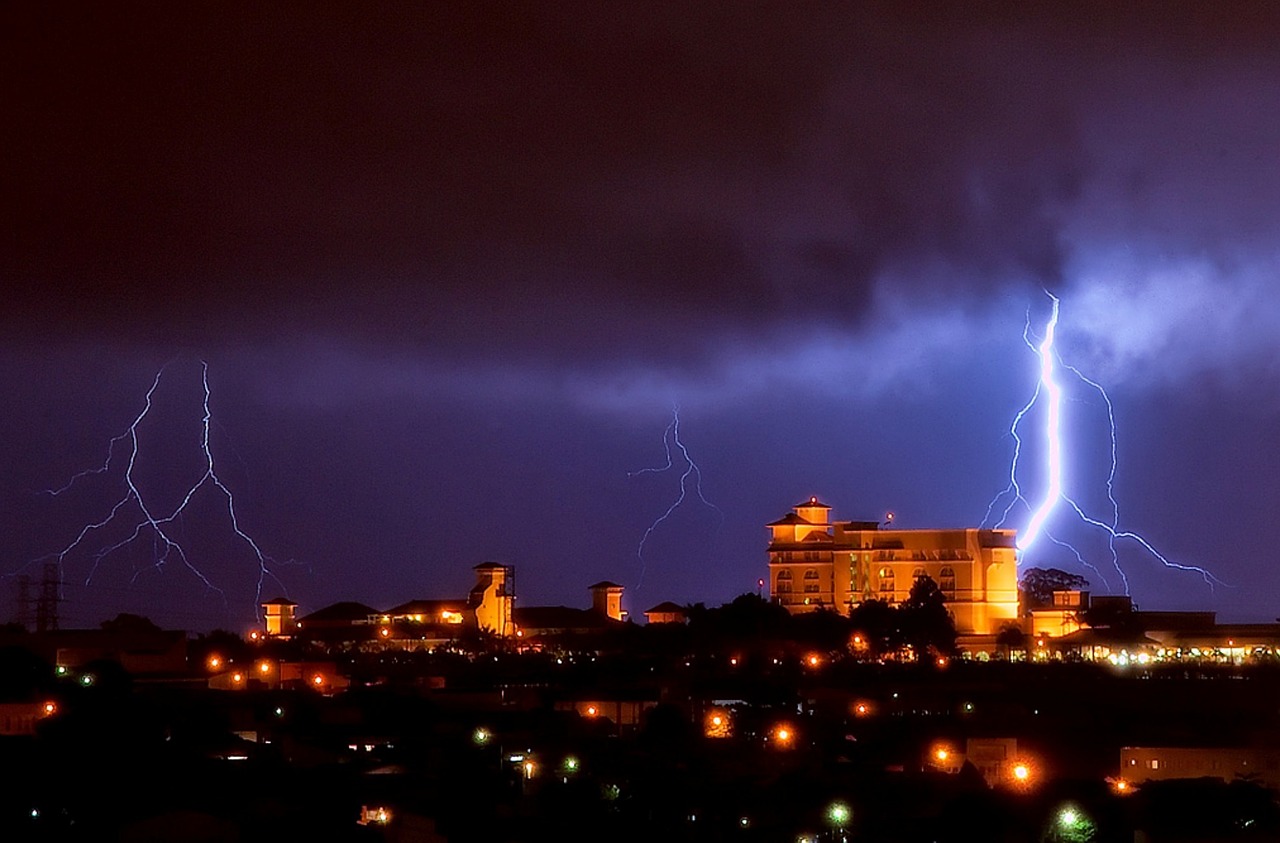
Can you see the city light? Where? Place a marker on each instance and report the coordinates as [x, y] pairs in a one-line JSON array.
[[718, 723], [214, 662], [592, 710], [838, 814], [481, 736], [50, 708], [783, 736], [813, 660], [1022, 774], [317, 680]]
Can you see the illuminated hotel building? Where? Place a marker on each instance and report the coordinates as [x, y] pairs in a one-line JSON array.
[[815, 563]]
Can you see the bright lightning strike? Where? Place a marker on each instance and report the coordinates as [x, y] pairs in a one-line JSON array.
[[159, 525], [672, 436], [1048, 387]]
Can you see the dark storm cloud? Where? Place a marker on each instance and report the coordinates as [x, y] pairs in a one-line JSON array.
[[568, 177]]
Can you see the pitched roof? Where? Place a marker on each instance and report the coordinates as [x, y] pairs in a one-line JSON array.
[[603, 584], [665, 608], [558, 617], [280, 601], [788, 520], [347, 610], [427, 607], [812, 502], [817, 536]]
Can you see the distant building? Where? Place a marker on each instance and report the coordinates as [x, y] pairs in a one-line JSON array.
[[606, 598], [815, 563], [280, 618], [666, 612], [1158, 763], [492, 599]]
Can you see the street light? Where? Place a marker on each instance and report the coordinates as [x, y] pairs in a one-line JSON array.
[[839, 814]]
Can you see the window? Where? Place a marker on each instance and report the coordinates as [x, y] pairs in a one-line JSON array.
[[811, 588], [784, 574], [811, 574], [783, 586], [947, 583], [917, 574], [886, 581], [1154, 763]]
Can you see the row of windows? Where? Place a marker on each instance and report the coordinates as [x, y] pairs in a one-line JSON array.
[[810, 574], [809, 588], [805, 555]]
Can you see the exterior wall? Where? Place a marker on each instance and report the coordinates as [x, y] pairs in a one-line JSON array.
[[280, 619], [608, 602], [976, 569], [493, 609]]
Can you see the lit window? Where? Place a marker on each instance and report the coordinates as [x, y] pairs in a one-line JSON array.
[[811, 574], [947, 583]]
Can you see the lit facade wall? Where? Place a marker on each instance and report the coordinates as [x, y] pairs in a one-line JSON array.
[[491, 599], [815, 563]]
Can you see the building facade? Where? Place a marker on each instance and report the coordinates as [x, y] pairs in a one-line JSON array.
[[816, 563]]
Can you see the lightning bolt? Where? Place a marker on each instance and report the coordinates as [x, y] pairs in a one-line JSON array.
[[1048, 387], [159, 526], [672, 436]]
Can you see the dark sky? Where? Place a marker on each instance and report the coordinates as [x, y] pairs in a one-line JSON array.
[[452, 265]]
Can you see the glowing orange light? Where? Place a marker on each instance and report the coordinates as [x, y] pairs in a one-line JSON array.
[[592, 711], [50, 708], [814, 660], [783, 736], [861, 709], [384, 632], [1021, 771], [941, 754], [255, 635], [941, 661], [317, 680], [264, 667], [718, 724], [214, 662], [237, 678], [519, 633], [734, 661]]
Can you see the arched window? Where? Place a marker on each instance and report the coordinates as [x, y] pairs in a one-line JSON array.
[[784, 574], [811, 574], [947, 582], [886, 581], [917, 574]]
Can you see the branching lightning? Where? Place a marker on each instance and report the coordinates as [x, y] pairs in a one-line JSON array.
[[1048, 387], [672, 436], [159, 526]]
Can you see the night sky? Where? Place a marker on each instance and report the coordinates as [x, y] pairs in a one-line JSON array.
[[452, 265]]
